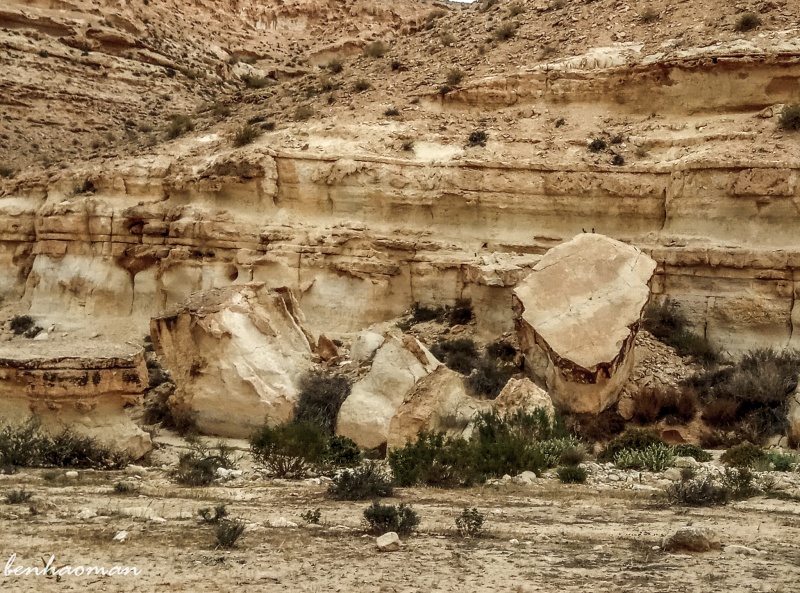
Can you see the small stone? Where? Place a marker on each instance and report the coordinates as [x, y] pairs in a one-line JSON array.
[[673, 474], [514, 542], [121, 536], [71, 475], [744, 550], [135, 470], [85, 514], [388, 542], [281, 522]]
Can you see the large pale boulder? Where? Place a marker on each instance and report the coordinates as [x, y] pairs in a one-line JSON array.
[[235, 354], [577, 315], [439, 402], [399, 363]]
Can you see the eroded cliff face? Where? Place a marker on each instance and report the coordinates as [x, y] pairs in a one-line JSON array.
[[361, 238]]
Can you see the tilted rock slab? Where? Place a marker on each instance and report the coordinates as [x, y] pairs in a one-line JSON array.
[[577, 315], [398, 364], [440, 402], [88, 387], [235, 354]]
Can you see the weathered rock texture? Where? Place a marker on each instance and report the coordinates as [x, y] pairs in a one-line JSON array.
[[577, 316], [439, 402], [523, 394], [89, 393], [235, 355], [793, 417], [399, 363]]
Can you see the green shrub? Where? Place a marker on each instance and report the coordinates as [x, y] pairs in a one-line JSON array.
[[27, 445], [245, 135], [6, 172], [198, 466], [783, 462], [391, 112], [635, 439], [434, 460], [655, 458], [572, 455], [595, 428], [668, 324], [470, 523], [320, 399], [461, 313], [368, 481], [423, 313], [21, 323], [290, 449], [572, 474], [505, 31], [252, 81], [651, 404], [341, 452], [381, 519], [228, 533], [477, 138], [18, 496], [747, 22], [790, 117], [448, 39], [335, 66], [361, 85], [516, 10], [740, 482], [376, 49], [311, 517], [455, 76], [179, 124], [512, 444], [743, 455], [220, 513], [126, 487], [698, 493], [752, 395], [597, 145], [695, 451]]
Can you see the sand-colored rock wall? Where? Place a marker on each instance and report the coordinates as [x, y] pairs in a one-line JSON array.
[[376, 234]]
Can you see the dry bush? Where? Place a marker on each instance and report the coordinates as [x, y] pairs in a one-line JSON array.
[[651, 404]]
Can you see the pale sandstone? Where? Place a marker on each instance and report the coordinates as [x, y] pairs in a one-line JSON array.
[[577, 316], [235, 355], [399, 363]]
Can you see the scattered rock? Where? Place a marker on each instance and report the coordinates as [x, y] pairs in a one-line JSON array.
[[121, 536], [71, 475], [577, 314], [673, 474], [388, 542], [281, 522], [686, 462], [691, 539]]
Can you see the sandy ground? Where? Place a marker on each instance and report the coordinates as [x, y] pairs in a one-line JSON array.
[[541, 537]]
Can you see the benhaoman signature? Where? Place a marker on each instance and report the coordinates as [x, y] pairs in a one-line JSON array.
[[49, 569]]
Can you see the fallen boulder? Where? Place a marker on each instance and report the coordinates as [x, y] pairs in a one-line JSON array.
[[523, 394], [398, 364], [234, 354], [439, 402], [388, 542], [576, 317]]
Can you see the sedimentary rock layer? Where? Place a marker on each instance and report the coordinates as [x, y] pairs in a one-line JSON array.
[[88, 393]]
